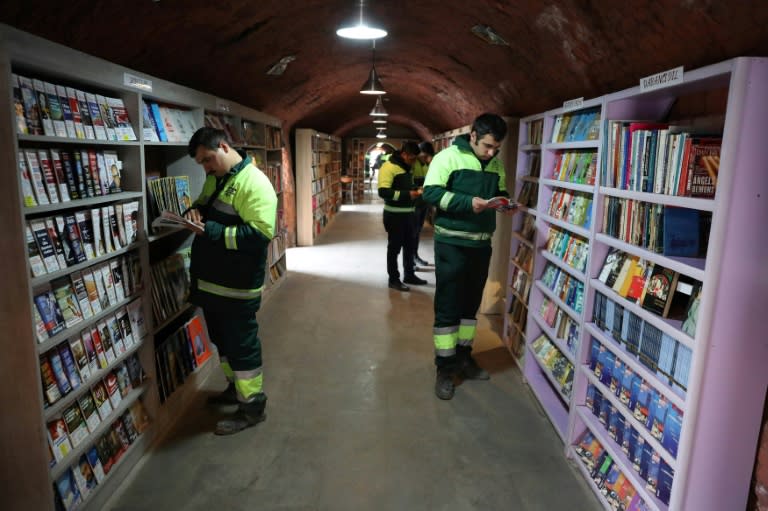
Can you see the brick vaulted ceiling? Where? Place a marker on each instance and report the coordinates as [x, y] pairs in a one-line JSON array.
[[438, 75]]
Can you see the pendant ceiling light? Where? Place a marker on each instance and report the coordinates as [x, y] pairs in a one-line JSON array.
[[381, 135], [361, 30], [378, 109], [373, 85], [379, 121]]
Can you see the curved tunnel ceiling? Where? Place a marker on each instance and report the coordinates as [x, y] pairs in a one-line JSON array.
[[437, 74]]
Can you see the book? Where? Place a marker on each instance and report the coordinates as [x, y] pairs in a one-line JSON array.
[[106, 452], [36, 265], [98, 278], [98, 347], [692, 312], [89, 158], [99, 127], [135, 371], [658, 295], [80, 357], [131, 221], [158, 121], [50, 313], [116, 335], [114, 168], [501, 204], [75, 185], [91, 290], [90, 350], [78, 430], [113, 389], [107, 116], [84, 476], [66, 487], [703, 167], [58, 438], [140, 417], [106, 231], [101, 400], [81, 294], [50, 386], [136, 316], [120, 220], [18, 106], [123, 127], [123, 380], [109, 287], [43, 107], [72, 119], [170, 219], [40, 332], [130, 429], [62, 180], [93, 460], [56, 184], [149, 129], [85, 114], [83, 173], [56, 241], [27, 190], [70, 367], [105, 336], [65, 297], [56, 110], [31, 108], [40, 185], [124, 321], [71, 232], [198, 339], [681, 232], [44, 245]]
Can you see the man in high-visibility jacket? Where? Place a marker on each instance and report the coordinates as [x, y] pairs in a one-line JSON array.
[[237, 208], [419, 171], [460, 180]]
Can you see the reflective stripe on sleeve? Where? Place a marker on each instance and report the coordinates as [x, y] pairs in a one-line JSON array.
[[230, 237], [446, 200], [399, 209]]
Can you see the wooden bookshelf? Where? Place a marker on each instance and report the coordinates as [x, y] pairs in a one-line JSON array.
[[718, 431]]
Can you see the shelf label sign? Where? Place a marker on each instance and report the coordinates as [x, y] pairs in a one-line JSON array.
[[573, 104], [221, 105], [137, 82], [660, 80]]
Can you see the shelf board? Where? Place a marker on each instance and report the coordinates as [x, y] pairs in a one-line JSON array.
[[529, 147], [517, 265], [82, 203], [79, 141], [691, 266], [173, 317], [618, 456], [528, 210], [75, 330], [551, 295], [561, 345], [629, 416], [556, 386], [57, 408], [639, 369], [74, 455], [566, 184], [530, 179], [581, 231], [521, 239], [656, 198], [167, 144], [583, 144], [671, 327], [44, 279]]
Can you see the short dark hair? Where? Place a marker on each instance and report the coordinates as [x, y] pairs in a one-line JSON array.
[[411, 148], [210, 138], [427, 148], [491, 124]]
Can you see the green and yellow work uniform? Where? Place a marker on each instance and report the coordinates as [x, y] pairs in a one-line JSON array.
[[228, 267], [462, 244], [419, 172], [395, 185]]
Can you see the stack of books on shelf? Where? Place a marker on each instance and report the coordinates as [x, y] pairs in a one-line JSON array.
[[535, 131], [53, 176], [274, 138], [170, 285], [55, 243], [168, 123], [179, 354], [558, 367], [577, 126], [572, 207], [568, 247], [168, 194], [659, 158], [564, 327], [578, 167], [567, 288], [44, 108]]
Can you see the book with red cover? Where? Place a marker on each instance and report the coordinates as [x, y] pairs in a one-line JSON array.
[[198, 336]]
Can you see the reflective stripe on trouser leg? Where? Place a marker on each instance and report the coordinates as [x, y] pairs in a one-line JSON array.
[[467, 332], [226, 368], [248, 384], [445, 340]]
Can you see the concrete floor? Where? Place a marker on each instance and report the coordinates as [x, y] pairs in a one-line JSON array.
[[353, 422]]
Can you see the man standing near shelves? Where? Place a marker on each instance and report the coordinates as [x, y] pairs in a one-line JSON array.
[[397, 189], [237, 208], [419, 171], [460, 181]]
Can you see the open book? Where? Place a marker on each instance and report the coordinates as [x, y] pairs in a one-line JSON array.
[[501, 204], [170, 219]]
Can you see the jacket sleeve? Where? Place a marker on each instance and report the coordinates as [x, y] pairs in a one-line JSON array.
[[386, 180], [436, 186], [256, 204]]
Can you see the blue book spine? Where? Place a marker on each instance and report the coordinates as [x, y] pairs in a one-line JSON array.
[[58, 372], [69, 366], [155, 109]]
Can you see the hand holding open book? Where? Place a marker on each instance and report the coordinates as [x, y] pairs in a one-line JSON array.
[[501, 204], [170, 219]]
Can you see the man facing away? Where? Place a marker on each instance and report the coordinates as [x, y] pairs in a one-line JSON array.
[[419, 171], [237, 209], [399, 193], [460, 180]]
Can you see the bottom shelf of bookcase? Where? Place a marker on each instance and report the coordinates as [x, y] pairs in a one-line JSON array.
[[550, 400], [592, 486]]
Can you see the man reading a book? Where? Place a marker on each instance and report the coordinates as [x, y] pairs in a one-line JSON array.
[[237, 210], [460, 181]]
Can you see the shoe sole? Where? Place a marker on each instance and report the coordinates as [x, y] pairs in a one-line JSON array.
[[231, 431]]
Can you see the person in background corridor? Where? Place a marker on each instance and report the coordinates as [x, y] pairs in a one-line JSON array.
[[397, 189], [237, 208], [419, 171], [460, 181]]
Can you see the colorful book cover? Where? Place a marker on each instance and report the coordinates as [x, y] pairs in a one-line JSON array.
[[93, 460], [85, 115], [84, 476], [99, 127], [81, 294], [90, 350], [18, 106], [58, 244], [72, 120], [123, 127], [124, 321], [44, 245], [105, 335], [65, 297], [114, 168], [92, 292], [140, 417], [56, 110], [88, 409], [113, 389], [78, 430], [658, 293], [107, 116], [59, 438], [75, 187], [75, 240], [101, 400], [117, 279], [31, 108], [50, 386], [43, 107], [130, 429], [117, 336], [66, 486], [106, 231], [70, 367], [50, 313]]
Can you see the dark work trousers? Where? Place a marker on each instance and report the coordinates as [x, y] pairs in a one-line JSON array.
[[399, 228], [460, 275], [418, 219]]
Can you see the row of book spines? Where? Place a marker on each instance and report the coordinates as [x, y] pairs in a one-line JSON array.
[[56, 243], [523, 256], [569, 248], [178, 355], [563, 326], [535, 131], [521, 282], [52, 176], [613, 484], [72, 299], [44, 108], [518, 311], [639, 399], [575, 167], [169, 193], [528, 229], [560, 368], [655, 349], [532, 164], [648, 157], [73, 363], [170, 285], [167, 123], [569, 289], [528, 195], [577, 126], [79, 481], [276, 271], [573, 207]]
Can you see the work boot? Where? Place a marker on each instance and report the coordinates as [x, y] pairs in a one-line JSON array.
[[414, 280], [444, 386], [247, 415], [228, 397], [421, 262], [469, 368]]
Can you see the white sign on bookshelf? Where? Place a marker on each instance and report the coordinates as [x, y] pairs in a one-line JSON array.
[[660, 80], [137, 82], [573, 104]]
